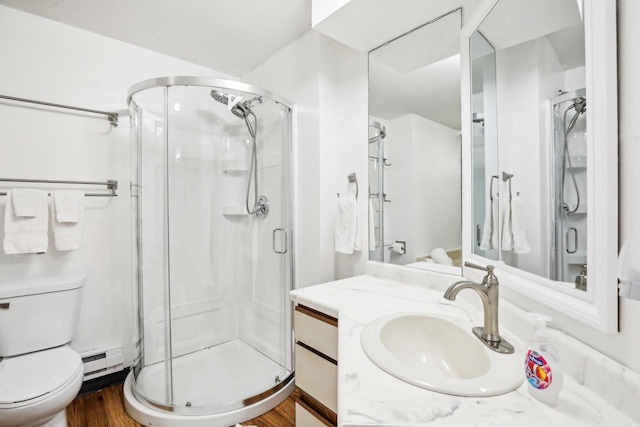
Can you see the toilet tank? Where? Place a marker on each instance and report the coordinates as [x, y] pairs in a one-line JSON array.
[[36, 314]]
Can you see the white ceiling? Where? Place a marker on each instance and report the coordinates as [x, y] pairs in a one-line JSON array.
[[229, 36], [419, 73], [367, 24], [517, 21]]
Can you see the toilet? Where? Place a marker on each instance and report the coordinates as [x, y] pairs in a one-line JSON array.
[[39, 373]]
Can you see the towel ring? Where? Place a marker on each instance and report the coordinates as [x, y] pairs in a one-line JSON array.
[[352, 178]]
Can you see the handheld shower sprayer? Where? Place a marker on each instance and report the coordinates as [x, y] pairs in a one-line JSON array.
[[580, 106], [243, 110]]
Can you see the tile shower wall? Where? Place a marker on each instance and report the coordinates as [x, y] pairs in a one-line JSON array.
[[49, 61]]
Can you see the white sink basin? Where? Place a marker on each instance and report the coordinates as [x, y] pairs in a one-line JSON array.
[[440, 354]]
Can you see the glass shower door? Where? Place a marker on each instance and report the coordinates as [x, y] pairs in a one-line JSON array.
[[227, 268]]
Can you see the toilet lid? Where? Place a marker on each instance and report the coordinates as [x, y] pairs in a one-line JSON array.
[[35, 374]]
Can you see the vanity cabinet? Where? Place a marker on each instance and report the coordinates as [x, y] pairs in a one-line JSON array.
[[316, 367]]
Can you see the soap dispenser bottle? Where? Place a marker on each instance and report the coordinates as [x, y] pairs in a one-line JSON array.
[[543, 371]]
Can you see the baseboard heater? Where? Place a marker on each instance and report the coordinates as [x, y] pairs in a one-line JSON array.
[[98, 363]]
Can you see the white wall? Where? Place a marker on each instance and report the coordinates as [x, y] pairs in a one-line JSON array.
[[423, 184], [327, 82], [49, 61]]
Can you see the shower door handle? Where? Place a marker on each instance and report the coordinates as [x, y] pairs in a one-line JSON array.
[[275, 231], [478, 235], [575, 240]]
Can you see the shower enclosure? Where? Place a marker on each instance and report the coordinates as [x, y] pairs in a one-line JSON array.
[[211, 193], [570, 187]]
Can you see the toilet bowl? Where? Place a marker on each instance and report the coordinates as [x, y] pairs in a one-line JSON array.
[[36, 388], [39, 373]]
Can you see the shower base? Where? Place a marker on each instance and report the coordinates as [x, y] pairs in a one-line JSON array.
[[209, 379]]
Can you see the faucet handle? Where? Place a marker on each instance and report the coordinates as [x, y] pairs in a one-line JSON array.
[[488, 268], [490, 278]]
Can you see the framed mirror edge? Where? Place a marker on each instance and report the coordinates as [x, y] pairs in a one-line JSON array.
[[599, 307], [434, 268]]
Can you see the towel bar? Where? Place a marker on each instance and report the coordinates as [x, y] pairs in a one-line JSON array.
[[112, 185]]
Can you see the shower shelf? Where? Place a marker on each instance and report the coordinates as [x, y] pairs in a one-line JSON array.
[[234, 166], [233, 210], [577, 258], [582, 209], [578, 162]]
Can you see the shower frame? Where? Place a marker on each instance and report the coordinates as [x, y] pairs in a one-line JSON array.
[[288, 171]]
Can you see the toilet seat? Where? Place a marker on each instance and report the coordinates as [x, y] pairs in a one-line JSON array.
[[30, 378]]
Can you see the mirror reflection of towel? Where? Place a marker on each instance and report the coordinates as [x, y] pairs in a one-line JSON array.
[[513, 233], [520, 243], [507, 227], [490, 232]]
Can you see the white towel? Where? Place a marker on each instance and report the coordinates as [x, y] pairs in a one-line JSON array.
[[507, 227], [346, 225], [28, 202], [357, 241], [520, 243], [491, 229], [487, 230], [25, 235], [69, 204], [440, 256], [67, 235], [372, 226]]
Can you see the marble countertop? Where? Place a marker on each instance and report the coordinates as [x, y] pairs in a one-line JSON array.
[[368, 396]]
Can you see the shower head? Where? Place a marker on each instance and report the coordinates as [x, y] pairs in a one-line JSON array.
[[580, 104], [240, 109]]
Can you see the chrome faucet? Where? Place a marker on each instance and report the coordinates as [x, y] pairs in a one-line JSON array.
[[488, 291]]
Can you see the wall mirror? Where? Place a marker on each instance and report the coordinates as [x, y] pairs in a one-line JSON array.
[[540, 126], [415, 148]]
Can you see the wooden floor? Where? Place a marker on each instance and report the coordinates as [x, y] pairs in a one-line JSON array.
[[105, 408]]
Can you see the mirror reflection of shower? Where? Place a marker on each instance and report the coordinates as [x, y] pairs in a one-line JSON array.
[[377, 195], [579, 105], [243, 110], [570, 206]]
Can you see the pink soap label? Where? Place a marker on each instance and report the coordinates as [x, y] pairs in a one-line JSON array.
[[537, 370]]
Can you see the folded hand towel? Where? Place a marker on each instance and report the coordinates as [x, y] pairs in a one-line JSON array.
[[487, 230], [520, 243], [357, 241], [346, 224], [495, 219], [68, 205], [23, 235], [491, 229], [67, 235], [507, 227], [28, 202]]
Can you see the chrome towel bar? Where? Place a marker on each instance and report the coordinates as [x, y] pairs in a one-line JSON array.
[[112, 185]]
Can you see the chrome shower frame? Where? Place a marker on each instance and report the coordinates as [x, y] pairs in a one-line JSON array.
[[379, 139]]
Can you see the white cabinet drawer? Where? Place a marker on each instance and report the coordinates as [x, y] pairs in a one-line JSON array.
[[316, 330], [306, 418], [317, 376]]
